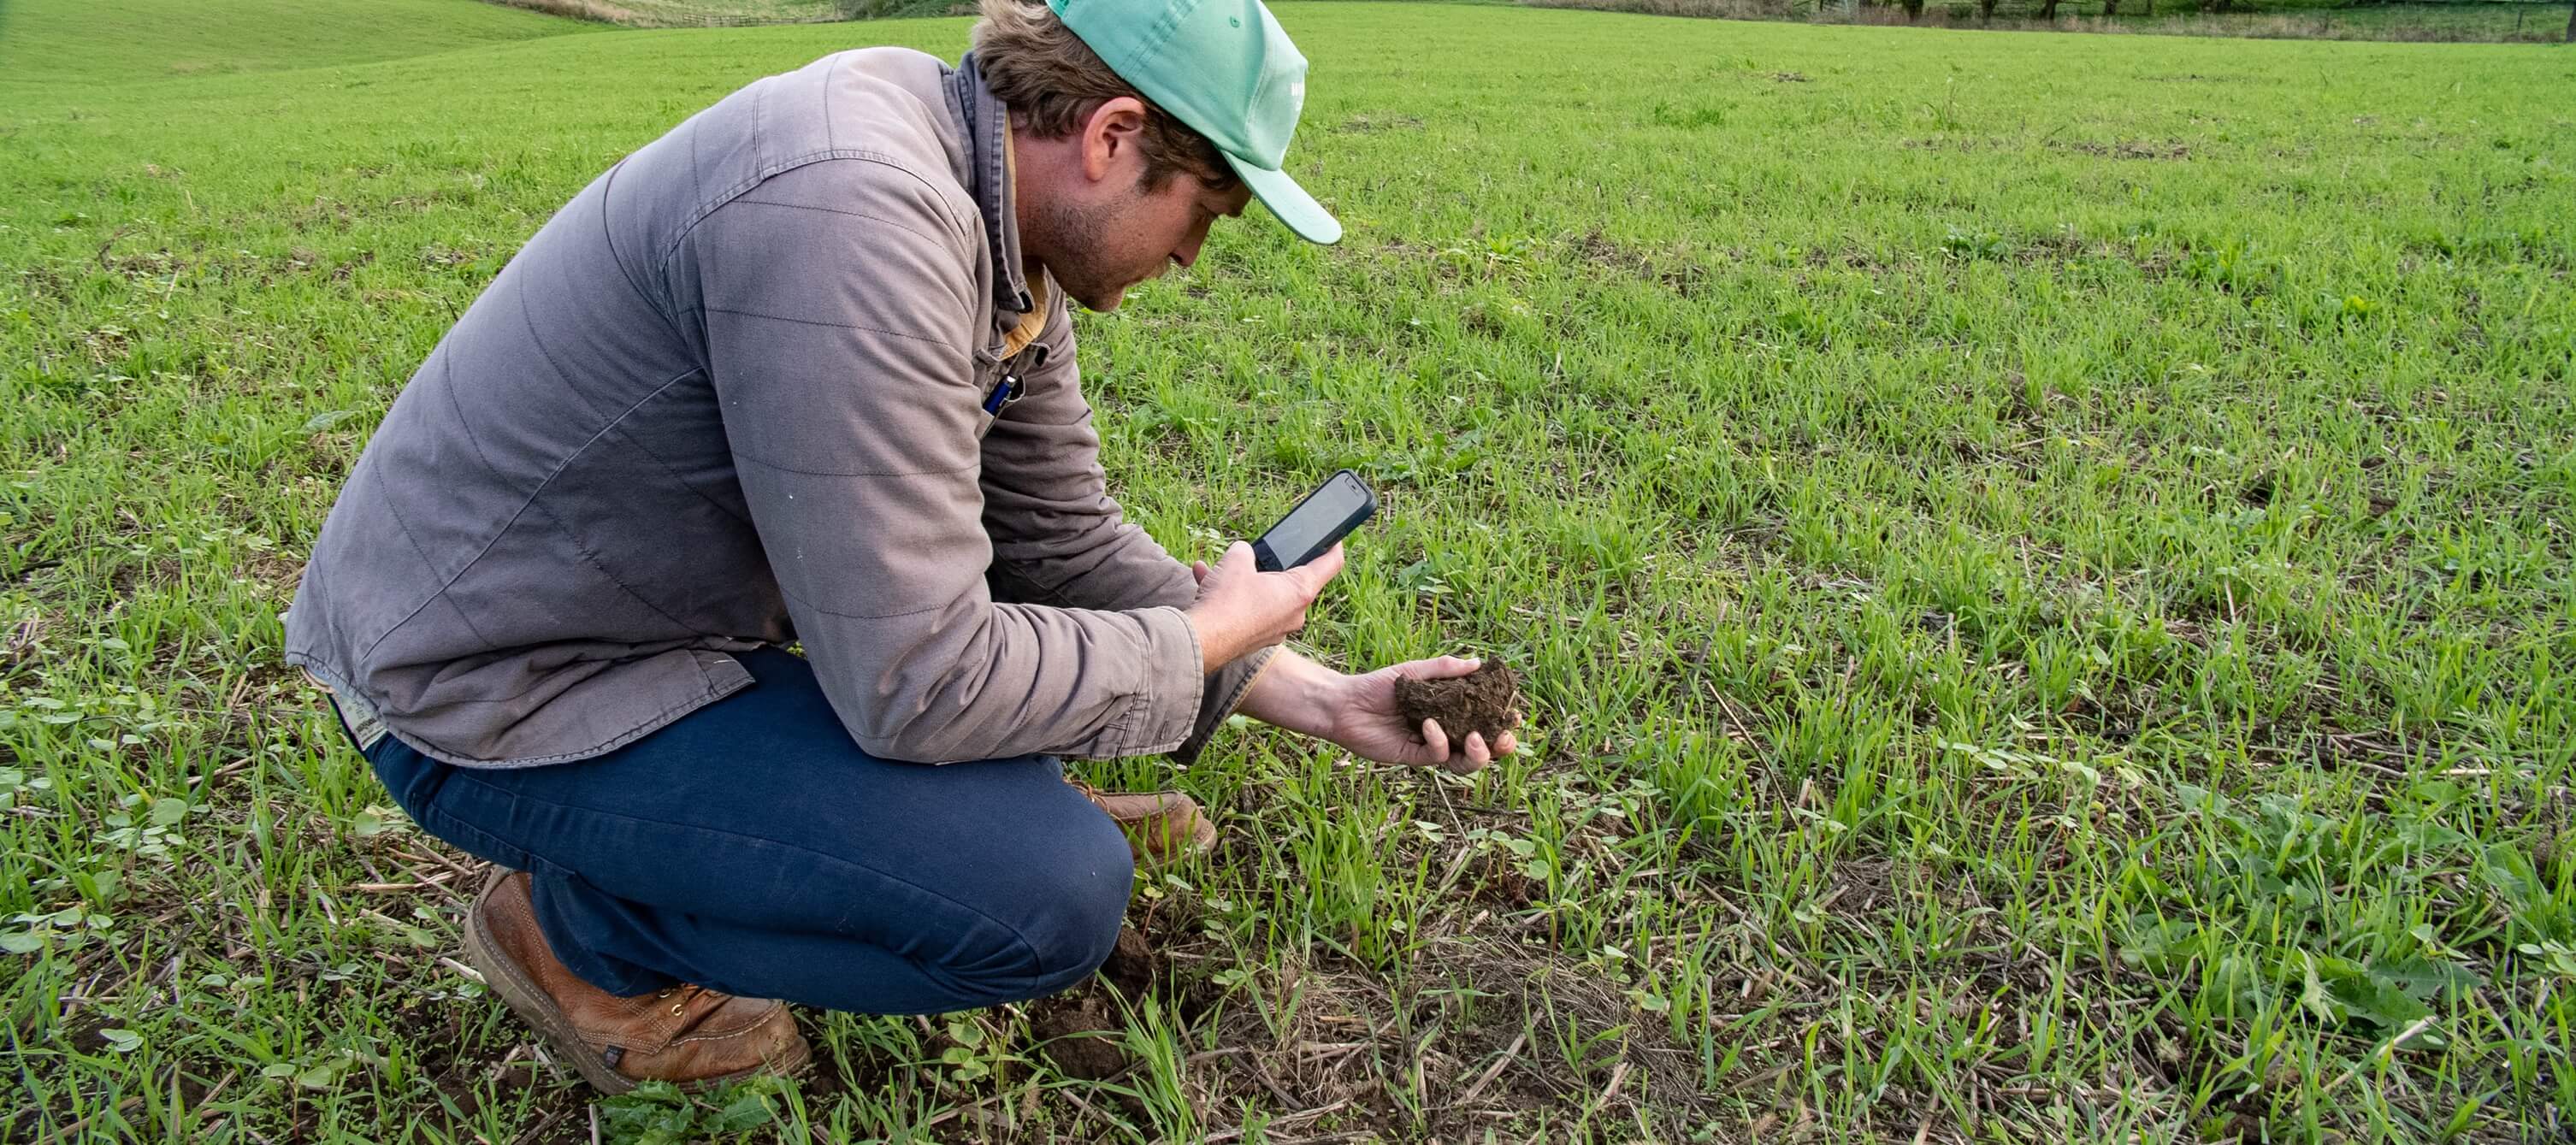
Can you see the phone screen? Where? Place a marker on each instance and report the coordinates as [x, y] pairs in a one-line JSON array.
[[1311, 524]]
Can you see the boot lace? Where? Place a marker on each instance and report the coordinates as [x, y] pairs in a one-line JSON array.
[[680, 996]]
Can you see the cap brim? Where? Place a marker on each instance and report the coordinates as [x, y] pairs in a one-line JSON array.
[[1290, 202]]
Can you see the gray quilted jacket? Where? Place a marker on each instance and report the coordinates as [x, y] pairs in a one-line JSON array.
[[765, 380]]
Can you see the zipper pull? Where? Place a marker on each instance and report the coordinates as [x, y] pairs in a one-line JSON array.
[[1004, 394], [1009, 389]]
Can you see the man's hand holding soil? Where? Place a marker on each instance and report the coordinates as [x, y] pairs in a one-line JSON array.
[[1360, 713]]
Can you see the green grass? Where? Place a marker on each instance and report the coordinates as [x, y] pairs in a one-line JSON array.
[[2043, 562], [783, 11], [2443, 20], [58, 44], [725, 13]]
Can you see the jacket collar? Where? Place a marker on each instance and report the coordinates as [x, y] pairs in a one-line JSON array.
[[987, 123]]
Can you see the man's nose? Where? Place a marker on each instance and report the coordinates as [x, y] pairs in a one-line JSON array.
[[1189, 248]]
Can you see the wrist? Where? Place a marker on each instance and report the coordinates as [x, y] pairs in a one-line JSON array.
[[1216, 648], [1296, 694]]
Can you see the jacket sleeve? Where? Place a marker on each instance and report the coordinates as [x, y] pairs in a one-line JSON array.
[[839, 307], [1058, 537]]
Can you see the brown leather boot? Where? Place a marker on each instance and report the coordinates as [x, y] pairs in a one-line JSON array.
[[687, 1035], [1162, 827]]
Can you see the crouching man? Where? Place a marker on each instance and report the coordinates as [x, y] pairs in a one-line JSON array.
[[803, 371]]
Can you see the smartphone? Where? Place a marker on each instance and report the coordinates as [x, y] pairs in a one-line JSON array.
[[1317, 523]]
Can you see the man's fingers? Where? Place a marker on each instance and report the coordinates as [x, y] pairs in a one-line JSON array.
[[1199, 571], [1316, 573], [1436, 668], [1466, 757], [1471, 758]]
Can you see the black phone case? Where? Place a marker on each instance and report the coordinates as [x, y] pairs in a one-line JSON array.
[[1266, 560]]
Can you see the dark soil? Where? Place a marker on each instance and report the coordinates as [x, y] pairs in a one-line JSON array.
[[464, 1089], [1132, 965], [1487, 701], [1502, 884], [86, 1032], [1080, 1035], [1080, 1029]]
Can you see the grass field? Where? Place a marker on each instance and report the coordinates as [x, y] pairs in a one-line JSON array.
[[2441, 21], [746, 11], [2044, 564], [54, 45], [728, 13]]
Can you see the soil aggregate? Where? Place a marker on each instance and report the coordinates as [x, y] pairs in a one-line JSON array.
[[1486, 700], [1081, 1029], [1132, 966], [1080, 1035]]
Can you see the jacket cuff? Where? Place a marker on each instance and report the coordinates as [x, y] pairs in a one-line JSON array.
[[1162, 716], [1222, 694]]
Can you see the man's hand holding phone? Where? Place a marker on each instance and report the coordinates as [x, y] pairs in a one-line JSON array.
[[1257, 595], [1241, 610]]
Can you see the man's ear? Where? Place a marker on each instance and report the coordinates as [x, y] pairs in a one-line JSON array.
[[1112, 137]]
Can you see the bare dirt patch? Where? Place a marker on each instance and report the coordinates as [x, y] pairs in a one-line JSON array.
[[1079, 1031], [1674, 270], [1079, 1035], [2131, 148], [1365, 124]]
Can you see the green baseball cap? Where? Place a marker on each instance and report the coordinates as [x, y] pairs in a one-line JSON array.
[[1225, 68]]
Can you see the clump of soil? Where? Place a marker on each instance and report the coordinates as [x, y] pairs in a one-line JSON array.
[[1081, 1029], [1486, 700], [1131, 965], [1080, 1035]]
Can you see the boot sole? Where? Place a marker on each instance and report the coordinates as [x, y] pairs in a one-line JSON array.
[[504, 976]]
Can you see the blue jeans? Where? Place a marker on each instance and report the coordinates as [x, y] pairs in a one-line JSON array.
[[752, 848]]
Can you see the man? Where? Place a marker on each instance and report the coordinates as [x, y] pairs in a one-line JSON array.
[[802, 371]]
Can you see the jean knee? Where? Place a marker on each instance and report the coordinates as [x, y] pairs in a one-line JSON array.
[[1087, 890]]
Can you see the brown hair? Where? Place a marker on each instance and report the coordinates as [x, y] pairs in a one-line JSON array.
[[1052, 82]]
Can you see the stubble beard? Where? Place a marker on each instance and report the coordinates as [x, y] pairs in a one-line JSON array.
[[1077, 236]]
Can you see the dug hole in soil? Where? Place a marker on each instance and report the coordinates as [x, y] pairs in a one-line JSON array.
[[1486, 700], [1080, 1030]]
